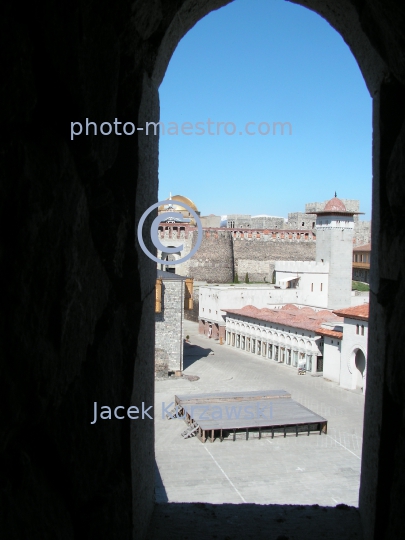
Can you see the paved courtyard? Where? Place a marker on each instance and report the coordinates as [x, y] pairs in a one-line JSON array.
[[322, 470]]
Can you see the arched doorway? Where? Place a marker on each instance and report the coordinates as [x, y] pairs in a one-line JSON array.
[[360, 364], [168, 258]]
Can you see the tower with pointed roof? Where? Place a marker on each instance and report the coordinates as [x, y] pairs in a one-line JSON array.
[[334, 245]]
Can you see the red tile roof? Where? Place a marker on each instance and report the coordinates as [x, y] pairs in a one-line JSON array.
[[329, 333], [357, 312], [365, 247], [335, 204], [289, 315]]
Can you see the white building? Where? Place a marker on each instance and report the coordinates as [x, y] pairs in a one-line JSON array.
[[327, 281], [213, 298], [353, 358], [334, 343], [288, 335]]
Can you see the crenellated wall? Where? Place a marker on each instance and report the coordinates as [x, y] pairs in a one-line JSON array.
[[226, 252], [256, 251]]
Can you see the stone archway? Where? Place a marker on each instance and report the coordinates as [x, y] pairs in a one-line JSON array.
[[167, 258], [342, 15], [79, 294]]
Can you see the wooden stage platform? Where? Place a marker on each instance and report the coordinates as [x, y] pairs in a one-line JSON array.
[[224, 415]]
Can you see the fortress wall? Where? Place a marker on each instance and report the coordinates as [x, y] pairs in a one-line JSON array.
[[362, 233], [256, 270], [224, 252], [213, 261], [258, 256]]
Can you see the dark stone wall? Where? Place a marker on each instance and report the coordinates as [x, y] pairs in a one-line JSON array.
[[221, 256], [383, 474], [72, 299], [271, 251], [213, 261]]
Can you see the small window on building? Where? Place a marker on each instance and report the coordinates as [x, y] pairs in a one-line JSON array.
[[321, 286], [331, 341], [357, 328], [302, 224], [209, 311], [362, 330], [312, 287]]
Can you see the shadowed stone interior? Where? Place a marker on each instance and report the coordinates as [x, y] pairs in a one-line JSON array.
[[78, 295]]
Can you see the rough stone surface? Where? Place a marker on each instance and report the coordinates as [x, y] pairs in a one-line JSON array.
[[223, 254], [179, 521], [161, 363], [169, 323], [213, 262], [72, 305], [257, 256]]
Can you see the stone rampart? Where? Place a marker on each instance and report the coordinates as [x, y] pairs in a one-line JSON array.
[[224, 252], [257, 255], [213, 261]]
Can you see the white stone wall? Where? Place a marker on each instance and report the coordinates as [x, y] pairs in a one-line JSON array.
[[352, 341], [311, 289], [334, 244], [331, 358], [213, 298]]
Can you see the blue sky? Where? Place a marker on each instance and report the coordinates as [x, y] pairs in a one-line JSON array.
[[265, 61]]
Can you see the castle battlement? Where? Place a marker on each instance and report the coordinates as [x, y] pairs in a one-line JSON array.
[[313, 267], [263, 235], [183, 230], [174, 231]]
